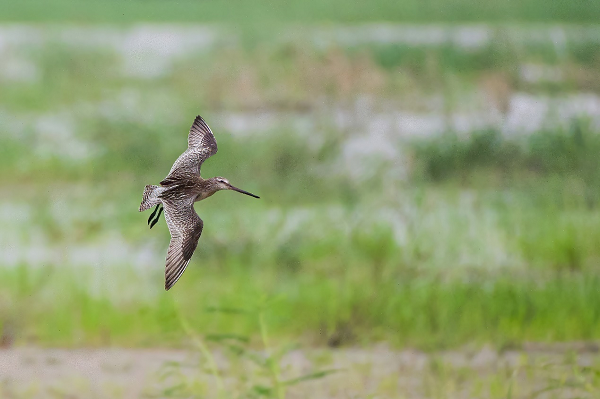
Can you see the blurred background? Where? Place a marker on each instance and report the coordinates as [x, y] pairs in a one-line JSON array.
[[428, 171]]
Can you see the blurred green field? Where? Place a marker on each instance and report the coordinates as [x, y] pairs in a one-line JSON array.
[[430, 241], [258, 13], [501, 248]]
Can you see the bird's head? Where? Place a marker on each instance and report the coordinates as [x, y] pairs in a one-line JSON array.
[[223, 184]]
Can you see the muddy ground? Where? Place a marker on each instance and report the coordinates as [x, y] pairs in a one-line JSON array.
[[560, 371]]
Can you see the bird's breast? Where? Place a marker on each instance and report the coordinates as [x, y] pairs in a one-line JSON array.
[[203, 195]]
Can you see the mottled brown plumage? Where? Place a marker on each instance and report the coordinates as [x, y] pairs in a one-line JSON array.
[[177, 193]]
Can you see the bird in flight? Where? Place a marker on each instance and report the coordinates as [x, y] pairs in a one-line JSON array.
[[176, 195]]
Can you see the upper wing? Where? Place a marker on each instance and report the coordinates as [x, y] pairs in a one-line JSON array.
[[202, 137], [201, 145], [185, 227]]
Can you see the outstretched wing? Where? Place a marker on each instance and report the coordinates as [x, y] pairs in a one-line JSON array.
[[201, 145], [185, 227], [202, 137]]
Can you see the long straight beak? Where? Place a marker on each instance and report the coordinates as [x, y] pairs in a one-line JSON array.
[[239, 190]]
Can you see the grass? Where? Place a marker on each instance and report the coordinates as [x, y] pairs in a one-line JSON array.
[[288, 75], [71, 308], [268, 361], [457, 241], [268, 12], [500, 248], [561, 153], [458, 238]]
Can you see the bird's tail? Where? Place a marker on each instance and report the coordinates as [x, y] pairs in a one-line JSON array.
[[150, 197]]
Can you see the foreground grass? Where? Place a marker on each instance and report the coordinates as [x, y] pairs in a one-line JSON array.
[[119, 307]]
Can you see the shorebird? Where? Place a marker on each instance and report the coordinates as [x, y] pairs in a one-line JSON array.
[[177, 193]]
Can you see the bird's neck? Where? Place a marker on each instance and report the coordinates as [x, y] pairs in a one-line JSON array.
[[207, 188]]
